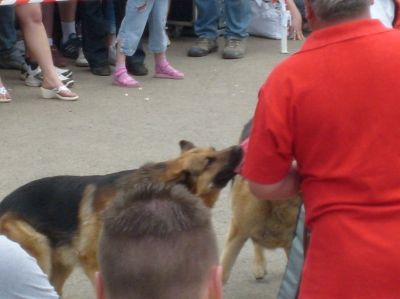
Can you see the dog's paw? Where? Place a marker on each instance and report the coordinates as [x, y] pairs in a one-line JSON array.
[[259, 271]]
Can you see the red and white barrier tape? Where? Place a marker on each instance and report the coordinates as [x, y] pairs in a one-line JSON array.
[[18, 2]]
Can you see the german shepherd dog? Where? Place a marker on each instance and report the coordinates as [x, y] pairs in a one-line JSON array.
[[269, 224], [58, 219]]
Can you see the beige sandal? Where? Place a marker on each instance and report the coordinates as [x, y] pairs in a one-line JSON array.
[[62, 93], [4, 95]]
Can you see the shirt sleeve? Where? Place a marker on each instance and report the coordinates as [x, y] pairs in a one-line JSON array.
[[20, 275], [270, 151]]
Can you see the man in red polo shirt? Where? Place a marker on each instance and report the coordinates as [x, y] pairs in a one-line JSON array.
[[334, 107]]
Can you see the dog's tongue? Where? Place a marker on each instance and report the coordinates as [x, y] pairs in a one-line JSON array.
[[244, 146]]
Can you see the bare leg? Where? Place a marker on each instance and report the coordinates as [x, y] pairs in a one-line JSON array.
[[30, 18], [48, 18], [68, 10], [4, 95]]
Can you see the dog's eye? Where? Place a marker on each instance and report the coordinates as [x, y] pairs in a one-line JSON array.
[[210, 160]]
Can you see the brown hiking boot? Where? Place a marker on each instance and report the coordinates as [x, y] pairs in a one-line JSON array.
[[234, 48], [202, 47]]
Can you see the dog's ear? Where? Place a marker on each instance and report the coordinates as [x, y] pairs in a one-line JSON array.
[[186, 145]]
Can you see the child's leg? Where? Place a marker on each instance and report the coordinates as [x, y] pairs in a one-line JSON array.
[[130, 33], [158, 41], [121, 76]]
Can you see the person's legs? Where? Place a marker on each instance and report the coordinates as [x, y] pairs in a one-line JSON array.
[[134, 63], [158, 41], [206, 28], [4, 95], [206, 24], [237, 15], [30, 18], [129, 35], [10, 56], [70, 42], [48, 22], [94, 33]]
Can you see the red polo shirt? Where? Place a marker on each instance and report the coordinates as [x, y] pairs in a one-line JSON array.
[[335, 107]]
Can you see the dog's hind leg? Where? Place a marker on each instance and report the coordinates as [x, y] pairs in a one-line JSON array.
[[64, 259], [233, 245], [59, 275], [35, 243], [259, 262], [90, 267]]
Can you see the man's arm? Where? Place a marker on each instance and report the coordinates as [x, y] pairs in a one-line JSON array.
[[287, 187]]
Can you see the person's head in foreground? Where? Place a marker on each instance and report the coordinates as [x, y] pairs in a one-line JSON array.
[[323, 13], [158, 243]]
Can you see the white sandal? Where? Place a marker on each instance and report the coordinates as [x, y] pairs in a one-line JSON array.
[[56, 93], [5, 96]]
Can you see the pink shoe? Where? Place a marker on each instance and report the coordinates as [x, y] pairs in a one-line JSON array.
[[123, 79], [166, 71]]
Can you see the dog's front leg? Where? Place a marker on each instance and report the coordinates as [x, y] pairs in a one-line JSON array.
[[233, 245]]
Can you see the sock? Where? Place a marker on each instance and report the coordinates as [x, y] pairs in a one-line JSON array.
[[120, 66], [67, 29], [50, 41], [162, 61]]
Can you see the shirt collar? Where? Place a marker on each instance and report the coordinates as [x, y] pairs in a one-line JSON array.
[[342, 32]]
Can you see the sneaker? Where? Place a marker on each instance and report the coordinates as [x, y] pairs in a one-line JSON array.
[[81, 61], [34, 77], [70, 48], [14, 59], [58, 59], [202, 47], [234, 48], [65, 72], [61, 72]]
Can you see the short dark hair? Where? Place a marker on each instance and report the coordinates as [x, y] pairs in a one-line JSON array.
[[157, 242], [337, 10]]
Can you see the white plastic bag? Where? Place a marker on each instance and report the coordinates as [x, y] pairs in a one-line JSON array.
[[266, 19], [384, 11]]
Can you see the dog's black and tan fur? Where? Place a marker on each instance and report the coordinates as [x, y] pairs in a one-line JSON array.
[[58, 219], [269, 224]]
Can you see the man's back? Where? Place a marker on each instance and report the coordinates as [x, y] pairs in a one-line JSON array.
[[335, 107]]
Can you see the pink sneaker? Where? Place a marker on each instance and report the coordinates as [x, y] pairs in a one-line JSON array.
[[166, 71], [123, 79]]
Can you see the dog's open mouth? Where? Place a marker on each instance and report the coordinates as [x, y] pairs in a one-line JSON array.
[[228, 171]]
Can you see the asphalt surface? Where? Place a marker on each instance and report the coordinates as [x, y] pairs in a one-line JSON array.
[[111, 129]]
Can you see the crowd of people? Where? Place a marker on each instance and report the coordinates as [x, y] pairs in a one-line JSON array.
[[337, 120], [99, 34]]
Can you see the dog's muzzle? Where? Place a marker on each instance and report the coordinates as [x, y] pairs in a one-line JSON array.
[[228, 171]]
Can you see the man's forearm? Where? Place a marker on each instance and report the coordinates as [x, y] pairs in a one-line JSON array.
[[287, 187]]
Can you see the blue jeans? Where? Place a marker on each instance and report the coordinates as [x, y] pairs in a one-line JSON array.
[[139, 56], [237, 17], [137, 14], [8, 35]]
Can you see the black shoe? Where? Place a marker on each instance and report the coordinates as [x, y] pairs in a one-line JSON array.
[[102, 70], [137, 69], [70, 48]]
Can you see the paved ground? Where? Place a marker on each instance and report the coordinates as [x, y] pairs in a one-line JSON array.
[[112, 129]]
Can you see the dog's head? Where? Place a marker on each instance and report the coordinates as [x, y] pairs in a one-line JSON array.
[[205, 171]]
